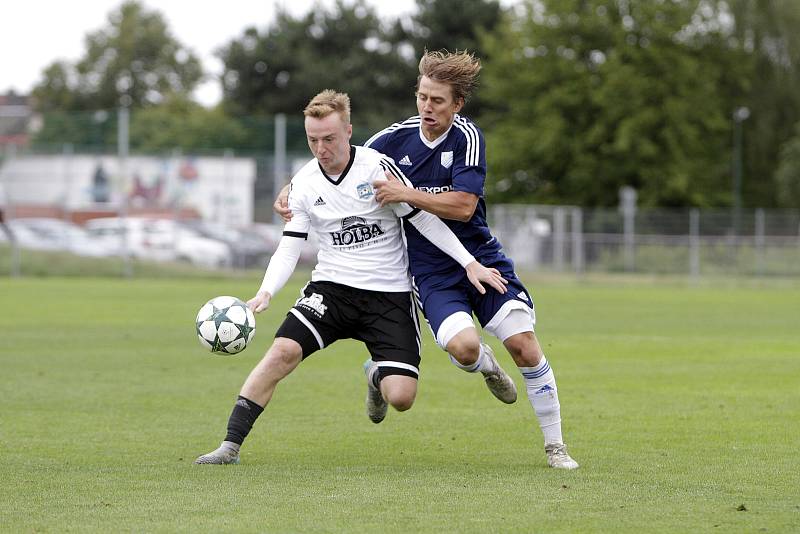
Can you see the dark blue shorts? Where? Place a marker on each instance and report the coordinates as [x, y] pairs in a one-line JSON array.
[[442, 295]]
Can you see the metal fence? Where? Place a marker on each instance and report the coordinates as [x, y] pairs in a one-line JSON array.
[[693, 242], [563, 239]]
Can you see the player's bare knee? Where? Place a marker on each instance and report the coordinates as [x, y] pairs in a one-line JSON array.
[[284, 355], [401, 400], [524, 349], [465, 349], [399, 391]]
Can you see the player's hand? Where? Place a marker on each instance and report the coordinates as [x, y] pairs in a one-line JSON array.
[[281, 205], [260, 302], [390, 191], [477, 273]]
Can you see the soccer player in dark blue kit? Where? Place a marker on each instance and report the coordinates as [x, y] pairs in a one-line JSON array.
[[443, 154]]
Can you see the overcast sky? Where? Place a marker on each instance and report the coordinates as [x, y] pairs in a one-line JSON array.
[[34, 33]]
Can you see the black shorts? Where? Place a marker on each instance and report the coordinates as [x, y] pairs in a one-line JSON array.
[[386, 322]]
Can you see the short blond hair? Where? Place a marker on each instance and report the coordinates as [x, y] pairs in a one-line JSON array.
[[327, 102], [457, 69]]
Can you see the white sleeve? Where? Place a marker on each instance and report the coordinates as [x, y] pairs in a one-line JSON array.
[[401, 209], [282, 264], [439, 234], [284, 260]]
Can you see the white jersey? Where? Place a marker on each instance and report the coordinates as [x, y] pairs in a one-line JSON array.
[[360, 243]]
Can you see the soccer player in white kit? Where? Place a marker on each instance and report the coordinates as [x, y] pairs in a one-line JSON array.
[[360, 287], [442, 154]]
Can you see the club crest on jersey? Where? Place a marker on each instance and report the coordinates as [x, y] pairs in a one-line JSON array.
[[447, 159], [355, 232], [364, 190]]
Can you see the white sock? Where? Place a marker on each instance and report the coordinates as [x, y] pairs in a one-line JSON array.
[[540, 383], [483, 363]]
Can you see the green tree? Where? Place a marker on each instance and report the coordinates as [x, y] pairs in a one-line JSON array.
[[766, 32], [133, 62], [454, 25], [181, 123], [591, 95], [787, 177], [345, 48]]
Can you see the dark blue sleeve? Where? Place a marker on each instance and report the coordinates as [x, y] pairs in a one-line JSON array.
[[469, 162]]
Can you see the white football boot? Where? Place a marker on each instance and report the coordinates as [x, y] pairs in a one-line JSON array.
[[558, 458], [497, 380], [376, 404], [227, 453]]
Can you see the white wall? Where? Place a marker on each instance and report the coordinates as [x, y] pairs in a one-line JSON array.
[[222, 190]]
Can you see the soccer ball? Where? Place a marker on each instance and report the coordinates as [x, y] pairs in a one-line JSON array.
[[225, 325]]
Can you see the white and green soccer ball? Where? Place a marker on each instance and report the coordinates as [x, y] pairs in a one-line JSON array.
[[225, 325]]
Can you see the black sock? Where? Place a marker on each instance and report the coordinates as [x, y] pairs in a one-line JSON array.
[[244, 414]]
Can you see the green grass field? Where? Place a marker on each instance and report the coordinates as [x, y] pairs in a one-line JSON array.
[[682, 404]]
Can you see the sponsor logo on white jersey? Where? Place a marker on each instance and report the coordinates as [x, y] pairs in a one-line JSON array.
[[319, 202], [405, 161], [355, 232], [364, 190], [314, 302], [447, 159]]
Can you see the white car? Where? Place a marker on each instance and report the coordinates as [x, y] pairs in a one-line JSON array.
[[159, 240], [272, 233], [48, 234]]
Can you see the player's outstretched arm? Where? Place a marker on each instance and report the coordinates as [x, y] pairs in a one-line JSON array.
[[454, 205], [280, 268], [440, 235], [281, 204]]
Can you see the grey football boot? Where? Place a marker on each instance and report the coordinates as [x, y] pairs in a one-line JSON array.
[[227, 453], [497, 380], [376, 404], [558, 458]]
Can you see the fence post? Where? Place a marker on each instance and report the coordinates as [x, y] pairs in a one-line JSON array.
[[627, 201], [759, 241], [279, 169], [7, 213], [559, 236], [694, 243], [123, 149], [67, 152], [577, 240]]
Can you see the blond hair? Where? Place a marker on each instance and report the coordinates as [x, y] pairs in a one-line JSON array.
[[327, 102], [457, 69]]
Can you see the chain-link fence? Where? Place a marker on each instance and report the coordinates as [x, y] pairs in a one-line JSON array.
[[223, 193], [663, 241]]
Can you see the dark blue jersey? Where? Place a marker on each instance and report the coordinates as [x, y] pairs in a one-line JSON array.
[[456, 161]]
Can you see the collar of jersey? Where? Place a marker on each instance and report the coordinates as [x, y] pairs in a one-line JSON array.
[[439, 140], [344, 172]]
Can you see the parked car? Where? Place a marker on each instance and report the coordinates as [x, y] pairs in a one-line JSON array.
[[272, 233], [160, 240], [248, 248], [48, 234]]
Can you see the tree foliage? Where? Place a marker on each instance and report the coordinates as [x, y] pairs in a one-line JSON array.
[[577, 97], [345, 48], [179, 122], [133, 62], [597, 94], [766, 32], [453, 25]]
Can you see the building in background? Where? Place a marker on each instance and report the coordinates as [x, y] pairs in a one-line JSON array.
[[17, 120], [80, 187]]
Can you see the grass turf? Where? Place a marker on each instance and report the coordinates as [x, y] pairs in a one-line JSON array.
[[680, 402]]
